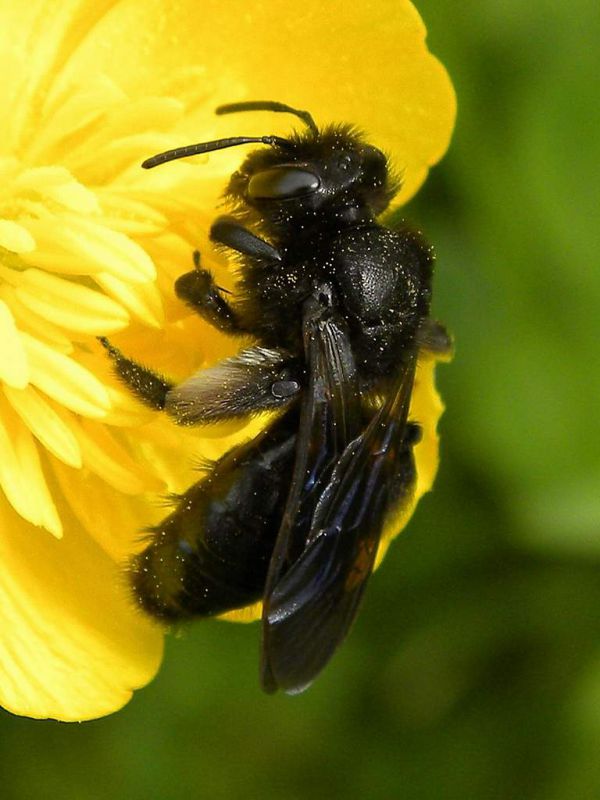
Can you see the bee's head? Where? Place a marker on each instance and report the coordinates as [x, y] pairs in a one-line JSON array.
[[331, 172]]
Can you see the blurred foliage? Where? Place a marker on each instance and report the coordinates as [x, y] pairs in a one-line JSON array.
[[474, 669]]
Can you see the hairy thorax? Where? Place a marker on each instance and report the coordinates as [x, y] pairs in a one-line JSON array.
[[375, 276]]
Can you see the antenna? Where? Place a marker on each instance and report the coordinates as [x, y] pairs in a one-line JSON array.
[[269, 105], [207, 147]]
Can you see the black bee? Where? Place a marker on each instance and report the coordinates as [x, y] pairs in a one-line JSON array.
[[338, 308]]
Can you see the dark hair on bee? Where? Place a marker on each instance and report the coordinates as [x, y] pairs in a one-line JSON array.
[[341, 149]]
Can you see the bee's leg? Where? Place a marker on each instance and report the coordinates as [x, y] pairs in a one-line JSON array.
[[227, 231], [257, 379], [434, 337], [199, 291], [402, 478], [146, 385]]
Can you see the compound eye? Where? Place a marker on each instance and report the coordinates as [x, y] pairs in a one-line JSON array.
[[282, 182]]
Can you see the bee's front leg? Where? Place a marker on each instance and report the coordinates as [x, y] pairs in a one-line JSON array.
[[228, 231]]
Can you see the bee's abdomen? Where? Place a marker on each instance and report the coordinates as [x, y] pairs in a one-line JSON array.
[[212, 553]]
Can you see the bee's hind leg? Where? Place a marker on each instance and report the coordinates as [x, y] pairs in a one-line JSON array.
[[257, 379], [146, 385]]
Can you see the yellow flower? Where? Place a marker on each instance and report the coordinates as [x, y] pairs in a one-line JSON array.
[[90, 246]]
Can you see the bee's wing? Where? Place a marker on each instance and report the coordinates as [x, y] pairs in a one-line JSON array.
[[332, 525], [330, 418]]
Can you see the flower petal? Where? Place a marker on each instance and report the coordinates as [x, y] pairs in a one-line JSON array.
[[375, 71], [72, 645], [69, 243], [103, 456], [118, 529], [426, 405], [21, 474], [130, 216], [72, 117], [14, 369], [15, 237], [142, 299], [11, 478], [66, 381], [31, 323], [69, 304], [426, 408], [57, 184], [46, 424]]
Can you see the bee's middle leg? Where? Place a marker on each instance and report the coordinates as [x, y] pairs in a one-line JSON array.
[[198, 290]]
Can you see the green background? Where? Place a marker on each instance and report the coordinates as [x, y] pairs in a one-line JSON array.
[[474, 668]]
